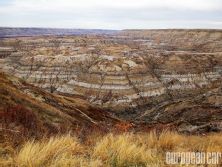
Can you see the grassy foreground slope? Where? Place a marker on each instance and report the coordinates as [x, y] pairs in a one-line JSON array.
[[111, 150]]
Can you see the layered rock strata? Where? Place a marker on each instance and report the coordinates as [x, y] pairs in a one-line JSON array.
[[132, 71]]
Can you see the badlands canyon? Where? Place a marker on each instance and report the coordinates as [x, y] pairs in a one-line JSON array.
[[149, 78]]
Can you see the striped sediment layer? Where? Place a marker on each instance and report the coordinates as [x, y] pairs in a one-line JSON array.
[[130, 69], [106, 88]]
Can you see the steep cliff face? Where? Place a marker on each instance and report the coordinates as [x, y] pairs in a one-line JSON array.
[[129, 74]]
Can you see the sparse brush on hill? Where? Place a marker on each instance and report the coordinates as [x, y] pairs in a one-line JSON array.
[[111, 150]]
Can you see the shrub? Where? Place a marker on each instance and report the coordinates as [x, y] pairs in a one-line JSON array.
[[20, 115]]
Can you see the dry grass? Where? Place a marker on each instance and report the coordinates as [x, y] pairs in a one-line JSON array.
[[45, 153], [111, 150], [124, 150]]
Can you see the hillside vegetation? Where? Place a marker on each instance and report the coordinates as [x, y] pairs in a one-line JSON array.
[[27, 111]]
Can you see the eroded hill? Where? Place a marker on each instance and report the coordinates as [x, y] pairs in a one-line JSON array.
[[144, 76], [28, 110]]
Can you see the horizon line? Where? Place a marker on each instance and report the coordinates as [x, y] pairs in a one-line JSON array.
[[69, 28]]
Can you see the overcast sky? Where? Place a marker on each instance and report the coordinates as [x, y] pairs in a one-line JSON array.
[[111, 14]]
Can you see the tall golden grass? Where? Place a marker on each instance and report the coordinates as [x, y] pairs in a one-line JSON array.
[[111, 150]]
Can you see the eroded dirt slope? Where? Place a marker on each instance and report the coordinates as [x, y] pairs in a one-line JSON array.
[[29, 110]]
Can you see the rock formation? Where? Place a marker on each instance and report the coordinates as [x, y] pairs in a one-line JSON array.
[[136, 74]]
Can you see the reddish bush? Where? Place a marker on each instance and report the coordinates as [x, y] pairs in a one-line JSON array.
[[19, 116], [123, 127]]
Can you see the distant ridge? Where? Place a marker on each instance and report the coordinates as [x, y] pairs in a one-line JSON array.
[[6, 32], [175, 29]]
